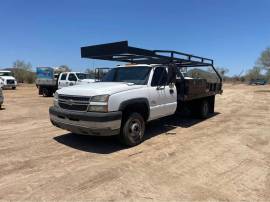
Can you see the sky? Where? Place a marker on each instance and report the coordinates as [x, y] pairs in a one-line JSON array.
[[50, 33]]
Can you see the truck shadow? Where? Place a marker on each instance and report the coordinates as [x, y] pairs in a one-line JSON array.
[[107, 145]]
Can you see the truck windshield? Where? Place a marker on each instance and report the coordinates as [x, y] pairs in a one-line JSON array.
[[5, 74], [137, 75], [82, 76]]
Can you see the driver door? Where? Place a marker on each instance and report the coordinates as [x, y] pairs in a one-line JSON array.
[[72, 79], [163, 97], [62, 82]]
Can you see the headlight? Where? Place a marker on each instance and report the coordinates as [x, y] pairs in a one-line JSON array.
[[55, 99], [56, 96], [100, 98], [99, 103]]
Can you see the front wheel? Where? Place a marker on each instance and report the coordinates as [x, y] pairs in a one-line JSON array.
[[133, 129], [14, 88]]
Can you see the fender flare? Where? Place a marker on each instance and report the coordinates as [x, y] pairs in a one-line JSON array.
[[125, 103]]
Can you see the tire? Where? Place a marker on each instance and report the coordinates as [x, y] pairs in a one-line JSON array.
[[13, 88], [204, 109], [132, 130], [211, 102], [45, 92]]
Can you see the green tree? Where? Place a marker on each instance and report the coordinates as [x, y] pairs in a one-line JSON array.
[[264, 62], [223, 71], [20, 64], [264, 59], [23, 71], [65, 68], [62, 68], [254, 73]]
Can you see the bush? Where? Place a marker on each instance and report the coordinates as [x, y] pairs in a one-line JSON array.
[[23, 72]]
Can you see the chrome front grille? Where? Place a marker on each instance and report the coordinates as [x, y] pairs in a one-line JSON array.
[[76, 103]]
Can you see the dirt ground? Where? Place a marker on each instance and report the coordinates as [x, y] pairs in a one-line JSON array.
[[226, 157]]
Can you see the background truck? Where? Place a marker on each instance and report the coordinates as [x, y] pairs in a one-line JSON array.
[[48, 81], [153, 84], [258, 82], [7, 79]]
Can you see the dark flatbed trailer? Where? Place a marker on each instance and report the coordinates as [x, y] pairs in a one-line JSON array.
[[46, 90], [188, 90]]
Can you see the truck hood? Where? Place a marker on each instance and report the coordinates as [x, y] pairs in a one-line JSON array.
[[8, 77], [98, 88]]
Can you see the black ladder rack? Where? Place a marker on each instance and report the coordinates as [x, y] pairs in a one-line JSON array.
[[122, 52]]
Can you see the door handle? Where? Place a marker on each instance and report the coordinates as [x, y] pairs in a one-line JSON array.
[[160, 87]]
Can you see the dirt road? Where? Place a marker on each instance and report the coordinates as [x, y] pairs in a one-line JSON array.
[[226, 157]]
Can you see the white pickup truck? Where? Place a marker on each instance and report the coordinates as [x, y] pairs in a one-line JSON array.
[[7, 80], [131, 95], [48, 81], [73, 78]]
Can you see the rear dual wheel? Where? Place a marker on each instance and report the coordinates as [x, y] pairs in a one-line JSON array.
[[46, 92], [204, 109]]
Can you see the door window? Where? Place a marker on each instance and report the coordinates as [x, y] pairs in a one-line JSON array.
[[160, 77], [63, 77], [72, 77]]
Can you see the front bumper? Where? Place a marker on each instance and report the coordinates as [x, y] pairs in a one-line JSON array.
[[86, 123], [9, 86]]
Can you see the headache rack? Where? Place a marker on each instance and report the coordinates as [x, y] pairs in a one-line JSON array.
[[122, 52]]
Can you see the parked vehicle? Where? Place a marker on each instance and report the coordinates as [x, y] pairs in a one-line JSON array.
[[1, 98], [151, 86], [1, 83], [73, 78], [258, 82], [48, 81], [7, 79]]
